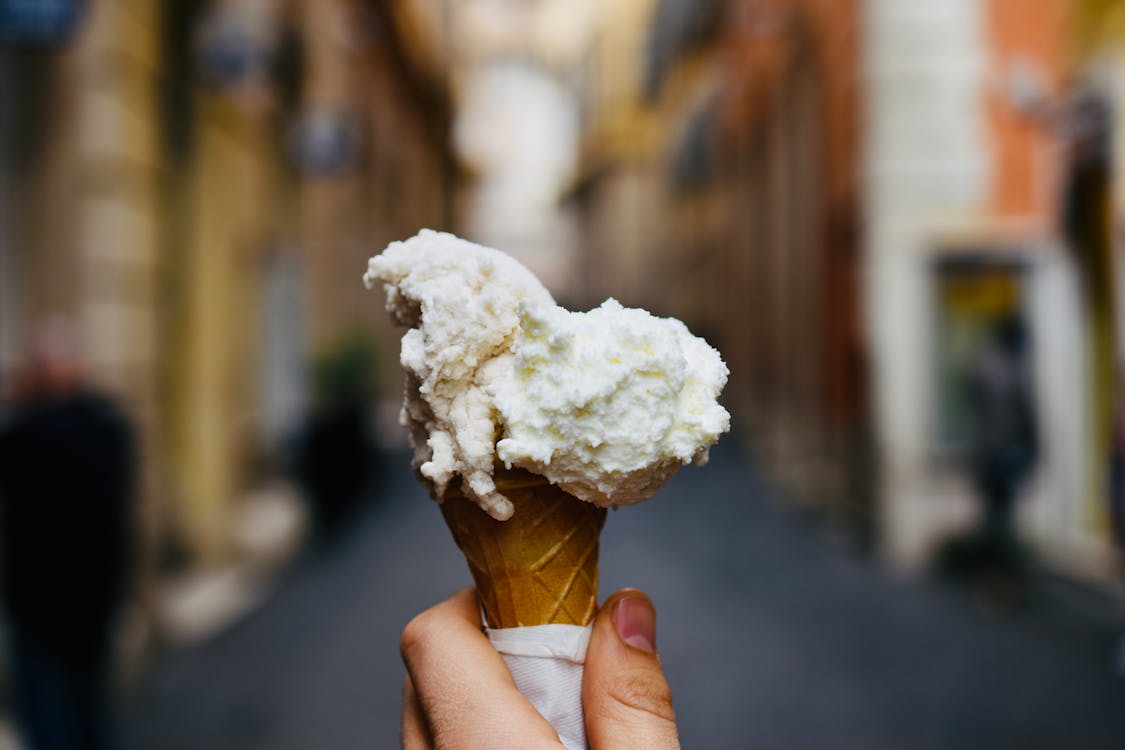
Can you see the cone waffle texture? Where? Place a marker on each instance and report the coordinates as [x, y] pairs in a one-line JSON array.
[[541, 565]]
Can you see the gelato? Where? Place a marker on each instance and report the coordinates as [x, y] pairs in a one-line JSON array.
[[605, 404]]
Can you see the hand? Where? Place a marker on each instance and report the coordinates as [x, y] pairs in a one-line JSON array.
[[459, 694]]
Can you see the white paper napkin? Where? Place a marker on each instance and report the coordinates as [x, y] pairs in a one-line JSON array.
[[546, 662]]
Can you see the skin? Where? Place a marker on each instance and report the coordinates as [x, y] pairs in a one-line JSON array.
[[459, 695]]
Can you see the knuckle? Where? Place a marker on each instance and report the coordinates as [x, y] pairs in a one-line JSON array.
[[415, 636], [645, 692]]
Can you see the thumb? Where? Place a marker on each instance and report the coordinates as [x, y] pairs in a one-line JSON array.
[[624, 694]]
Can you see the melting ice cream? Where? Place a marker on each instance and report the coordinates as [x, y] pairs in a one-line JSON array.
[[607, 404]]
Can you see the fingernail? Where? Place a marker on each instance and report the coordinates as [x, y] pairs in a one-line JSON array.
[[634, 619]]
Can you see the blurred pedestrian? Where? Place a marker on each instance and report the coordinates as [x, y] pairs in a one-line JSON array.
[[337, 455], [1004, 443], [67, 475]]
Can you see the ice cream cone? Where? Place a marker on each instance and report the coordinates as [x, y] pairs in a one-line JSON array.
[[538, 567]]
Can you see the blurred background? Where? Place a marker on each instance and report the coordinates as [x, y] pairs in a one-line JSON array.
[[900, 222]]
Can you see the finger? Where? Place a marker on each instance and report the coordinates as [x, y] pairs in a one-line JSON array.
[[626, 698], [466, 693], [415, 733]]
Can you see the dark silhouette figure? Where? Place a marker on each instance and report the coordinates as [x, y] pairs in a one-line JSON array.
[[336, 463], [66, 487], [337, 454], [1004, 439]]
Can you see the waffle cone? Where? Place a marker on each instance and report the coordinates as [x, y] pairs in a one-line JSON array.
[[538, 567]]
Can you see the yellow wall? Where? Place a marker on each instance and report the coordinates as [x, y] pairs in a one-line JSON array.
[[229, 200]]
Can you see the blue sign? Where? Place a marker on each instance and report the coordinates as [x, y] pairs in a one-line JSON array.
[[44, 22]]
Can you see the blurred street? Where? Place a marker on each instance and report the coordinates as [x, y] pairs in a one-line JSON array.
[[771, 639], [902, 225]]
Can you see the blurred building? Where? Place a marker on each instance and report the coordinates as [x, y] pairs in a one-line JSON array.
[[328, 142], [720, 184], [970, 150], [617, 187], [198, 185], [372, 146], [846, 198], [1096, 172]]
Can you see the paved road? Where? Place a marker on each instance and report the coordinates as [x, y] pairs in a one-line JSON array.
[[771, 639]]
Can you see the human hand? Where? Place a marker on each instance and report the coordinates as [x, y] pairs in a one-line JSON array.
[[459, 694]]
